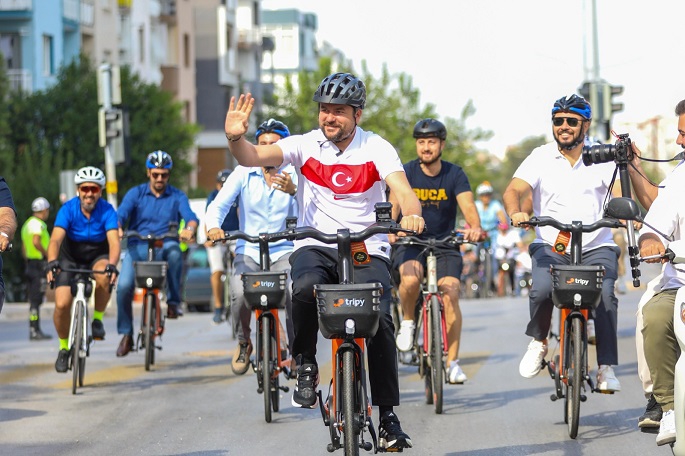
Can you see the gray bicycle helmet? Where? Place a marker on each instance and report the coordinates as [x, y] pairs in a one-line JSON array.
[[429, 128], [341, 88], [90, 174]]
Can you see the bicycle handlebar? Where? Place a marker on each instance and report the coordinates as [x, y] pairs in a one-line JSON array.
[[304, 232], [605, 222], [451, 241], [151, 237]]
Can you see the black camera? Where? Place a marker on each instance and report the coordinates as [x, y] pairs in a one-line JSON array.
[[620, 152]]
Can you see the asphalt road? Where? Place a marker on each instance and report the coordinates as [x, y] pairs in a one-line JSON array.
[[192, 404]]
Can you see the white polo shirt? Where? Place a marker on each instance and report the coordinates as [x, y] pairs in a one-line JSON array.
[[667, 214], [339, 190], [567, 193]]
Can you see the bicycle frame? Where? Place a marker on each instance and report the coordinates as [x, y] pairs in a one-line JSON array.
[[79, 339]]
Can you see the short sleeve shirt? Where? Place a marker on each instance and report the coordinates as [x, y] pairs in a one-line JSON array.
[[438, 196], [79, 228], [339, 189], [567, 193]]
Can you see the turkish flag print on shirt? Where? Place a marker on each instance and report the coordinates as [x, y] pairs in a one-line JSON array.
[[341, 179]]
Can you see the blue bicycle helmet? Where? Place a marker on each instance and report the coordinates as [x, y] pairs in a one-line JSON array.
[[575, 104], [272, 126], [341, 88], [159, 159], [223, 175]]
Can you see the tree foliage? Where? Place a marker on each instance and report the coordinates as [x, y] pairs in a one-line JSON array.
[[45, 132], [392, 109]]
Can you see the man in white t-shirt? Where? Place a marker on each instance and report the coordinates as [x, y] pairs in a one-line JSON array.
[[342, 171]]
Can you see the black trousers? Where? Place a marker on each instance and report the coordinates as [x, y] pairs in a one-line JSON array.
[[318, 265], [36, 283]]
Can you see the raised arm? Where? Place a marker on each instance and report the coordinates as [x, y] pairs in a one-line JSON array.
[[235, 127]]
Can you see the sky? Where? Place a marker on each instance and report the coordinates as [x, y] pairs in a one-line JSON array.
[[512, 59]]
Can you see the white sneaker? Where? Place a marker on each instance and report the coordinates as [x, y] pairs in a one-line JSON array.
[[666, 429], [405, 336], [532, 361], [591, 337], [456, 375], [606, 380]]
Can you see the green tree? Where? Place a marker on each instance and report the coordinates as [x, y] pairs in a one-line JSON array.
[[44, 132], [512, 159], [392, 109]]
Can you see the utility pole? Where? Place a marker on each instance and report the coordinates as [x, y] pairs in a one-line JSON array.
[[594, 89], [110, 125]]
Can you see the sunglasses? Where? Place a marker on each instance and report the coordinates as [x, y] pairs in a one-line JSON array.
[[159, 175], [94, 189], [571, 121]]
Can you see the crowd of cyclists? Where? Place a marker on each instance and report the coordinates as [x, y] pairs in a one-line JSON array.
[[330, 178]]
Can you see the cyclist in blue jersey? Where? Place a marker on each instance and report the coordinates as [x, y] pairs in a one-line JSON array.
[[151, 208], [85, 236], [442, 188]]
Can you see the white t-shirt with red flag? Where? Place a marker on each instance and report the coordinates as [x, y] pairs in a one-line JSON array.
[[339, 189]]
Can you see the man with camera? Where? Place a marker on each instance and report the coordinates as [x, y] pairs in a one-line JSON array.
[[569, 187]]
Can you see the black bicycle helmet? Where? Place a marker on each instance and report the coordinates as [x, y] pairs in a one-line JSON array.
[[341, 88], [223, 175], [159, 159], [429, 128], [272, 126], [575, 104]]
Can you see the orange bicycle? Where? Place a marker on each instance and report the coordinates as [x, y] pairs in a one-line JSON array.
[[576, 288], [348, 314], [265, 292]]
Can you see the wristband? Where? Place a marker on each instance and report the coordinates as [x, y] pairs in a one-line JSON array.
[[233, 139], [2, 233], [294, 192]]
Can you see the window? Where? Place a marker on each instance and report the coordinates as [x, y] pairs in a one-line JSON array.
[[47, 55], [186, 50], [141, 44]]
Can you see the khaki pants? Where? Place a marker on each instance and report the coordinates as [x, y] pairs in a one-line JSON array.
[[660, 345]]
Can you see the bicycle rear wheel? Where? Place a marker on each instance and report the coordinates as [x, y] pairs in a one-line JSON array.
[[76, 345], [148, 329], [575, 377], [264, 366], [436, 344], [349, 400]]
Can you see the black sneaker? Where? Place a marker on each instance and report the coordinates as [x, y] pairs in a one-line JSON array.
[[391, 437], [304, 395], [652, 416], [98, 330], [62, 363], [37, 334]]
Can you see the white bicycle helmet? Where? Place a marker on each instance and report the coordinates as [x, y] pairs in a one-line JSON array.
[[90, 174], [484, 189]]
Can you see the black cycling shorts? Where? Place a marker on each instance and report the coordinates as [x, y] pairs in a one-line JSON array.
[[449, 262], [79, 255]]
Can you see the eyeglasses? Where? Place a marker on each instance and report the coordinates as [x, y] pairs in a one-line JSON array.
[[94, 189], [571, 121], [160, 175]]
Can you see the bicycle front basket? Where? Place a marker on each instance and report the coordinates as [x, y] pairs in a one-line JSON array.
[[338, 303], [568, 280], [264, 289], [150, 274]]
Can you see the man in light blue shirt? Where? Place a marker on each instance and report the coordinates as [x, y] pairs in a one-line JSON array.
[[266, 196]]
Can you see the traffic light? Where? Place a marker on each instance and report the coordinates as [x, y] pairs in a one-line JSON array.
[[615, 90], [112, 126]]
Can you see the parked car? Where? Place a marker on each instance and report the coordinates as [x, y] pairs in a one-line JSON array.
[[197, 288]]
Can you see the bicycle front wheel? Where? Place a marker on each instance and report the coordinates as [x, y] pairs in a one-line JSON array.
[[349, 410], [264, 366], [574, 377], [84, 345], [76, 345], [437, 370], [149, 328]]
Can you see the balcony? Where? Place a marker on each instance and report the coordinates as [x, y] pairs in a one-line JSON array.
[[170, 79], [71, 10], [20, 80], [87, 13], [16, 5], [167, 12]]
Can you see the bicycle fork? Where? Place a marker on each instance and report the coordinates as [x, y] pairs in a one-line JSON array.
[[559, 372]]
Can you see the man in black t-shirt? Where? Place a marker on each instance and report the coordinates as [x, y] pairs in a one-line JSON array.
[[441, 187]]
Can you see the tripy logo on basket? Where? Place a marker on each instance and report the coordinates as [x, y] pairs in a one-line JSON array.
[[263, 284], [572, 280], [354, 302]]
